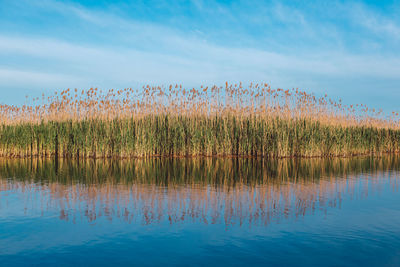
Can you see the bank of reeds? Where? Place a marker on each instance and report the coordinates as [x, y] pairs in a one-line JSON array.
[[172, 121]]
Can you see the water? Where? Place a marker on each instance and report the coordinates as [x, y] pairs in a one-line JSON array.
[[337, 212]]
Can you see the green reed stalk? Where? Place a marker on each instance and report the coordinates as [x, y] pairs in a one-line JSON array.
[[172, 135]]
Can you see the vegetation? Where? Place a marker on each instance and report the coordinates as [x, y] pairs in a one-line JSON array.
[[172, 121]]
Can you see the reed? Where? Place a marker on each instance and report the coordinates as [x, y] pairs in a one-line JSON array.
[[229, 120]]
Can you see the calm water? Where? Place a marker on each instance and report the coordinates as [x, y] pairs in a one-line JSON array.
[[339, 212]]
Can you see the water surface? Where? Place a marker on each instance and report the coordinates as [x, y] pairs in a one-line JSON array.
[[331, 212]]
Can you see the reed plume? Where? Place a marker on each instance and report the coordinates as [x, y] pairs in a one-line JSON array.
[[230, 120]]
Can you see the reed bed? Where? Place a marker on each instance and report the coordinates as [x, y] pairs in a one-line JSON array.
[[229, 120]]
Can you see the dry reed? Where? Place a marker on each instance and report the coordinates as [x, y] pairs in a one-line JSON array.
[[229, 120]]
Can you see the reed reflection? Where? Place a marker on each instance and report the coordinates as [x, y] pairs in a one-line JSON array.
[[210, 191]]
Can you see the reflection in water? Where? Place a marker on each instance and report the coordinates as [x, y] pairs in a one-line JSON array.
[[228, 191]]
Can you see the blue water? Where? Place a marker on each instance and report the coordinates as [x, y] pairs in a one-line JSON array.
[[335, 218]]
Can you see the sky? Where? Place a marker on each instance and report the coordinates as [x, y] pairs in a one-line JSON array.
[[347, 49]]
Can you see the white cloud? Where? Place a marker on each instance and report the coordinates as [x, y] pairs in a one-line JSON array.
[[28, 78], [385, 25], [206, 61], [157, 54]]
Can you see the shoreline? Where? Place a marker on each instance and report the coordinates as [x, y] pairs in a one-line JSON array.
[[90, 157]]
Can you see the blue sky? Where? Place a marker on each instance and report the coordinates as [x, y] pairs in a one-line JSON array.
[[348, 49]]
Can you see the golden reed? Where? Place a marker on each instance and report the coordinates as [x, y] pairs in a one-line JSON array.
[[229, 120]]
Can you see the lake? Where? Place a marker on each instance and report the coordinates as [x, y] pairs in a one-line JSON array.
[[200, 212]]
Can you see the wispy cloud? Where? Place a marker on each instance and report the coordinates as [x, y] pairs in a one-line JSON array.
[[31, 78], [133, 65], [384, 25], [115, 50]]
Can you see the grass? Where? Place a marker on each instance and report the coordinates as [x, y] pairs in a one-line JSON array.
[[171, 121]]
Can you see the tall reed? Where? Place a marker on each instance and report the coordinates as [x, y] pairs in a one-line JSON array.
[[231, 120]]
